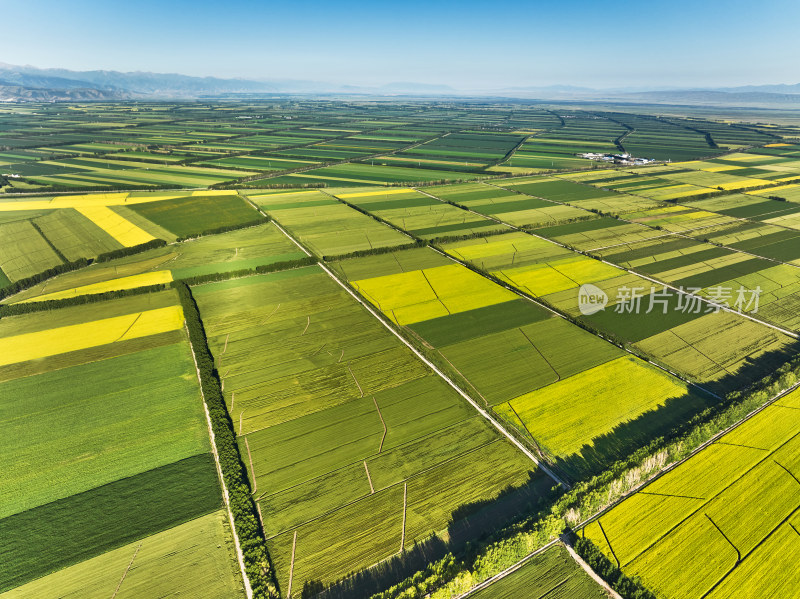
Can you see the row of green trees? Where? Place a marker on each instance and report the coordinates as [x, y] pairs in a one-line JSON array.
[[628, 588], [78, 300], [68, 266], [256, 559], [217, 230], [376, 251]]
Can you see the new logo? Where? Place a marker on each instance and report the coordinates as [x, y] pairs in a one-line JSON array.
[[591, 299]]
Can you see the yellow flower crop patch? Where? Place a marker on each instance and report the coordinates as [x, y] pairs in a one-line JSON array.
[[121, 229], [50, 342], [131, 282]]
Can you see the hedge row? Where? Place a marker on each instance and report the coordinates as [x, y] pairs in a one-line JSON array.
[[78, 300], [129, 251], [628, 588], [57, 251], [256, 559], [376, 251], [28, 282], [225, 229], [243, 272]]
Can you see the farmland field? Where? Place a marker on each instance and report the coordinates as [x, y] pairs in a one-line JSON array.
[[339, 348], [78, 454], [552, 575], [354, 447], [706, 505]]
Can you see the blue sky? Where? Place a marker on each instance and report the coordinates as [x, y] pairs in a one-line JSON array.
[[466, 44]]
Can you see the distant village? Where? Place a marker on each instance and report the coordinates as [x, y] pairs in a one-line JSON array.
[[625, 159]]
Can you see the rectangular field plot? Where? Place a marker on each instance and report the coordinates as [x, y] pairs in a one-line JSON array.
[[429, 293], [326, 226], [613, 393], [188, 216], [732, 506], [347, 436], [550, 575], [235, 250], [77, 455], [510, 207], [194, 558], [420, 214], [24, 252]]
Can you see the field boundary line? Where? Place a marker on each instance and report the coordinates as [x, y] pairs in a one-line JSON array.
[[291, 567], [592, 574], [125, 573], [282, 230], [724, 536], [405, 510], [225, 496], [459, 373], [369, 479], [444, 377], [130, 326], [252, 470], [383, 422], [350, 370]]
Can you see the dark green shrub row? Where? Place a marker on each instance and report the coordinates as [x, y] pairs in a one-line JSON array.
[[61, 256], [75, 265], [129, 251], [243, 272], [28, 282], [628, 588], [78, 300], [42, 306], [251, 223], [101, 188], [376, 251], [245, 518]]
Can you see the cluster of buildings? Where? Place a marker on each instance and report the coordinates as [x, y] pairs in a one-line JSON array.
[[624, 159]]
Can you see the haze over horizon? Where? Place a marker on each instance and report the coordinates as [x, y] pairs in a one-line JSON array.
[[458, 44]]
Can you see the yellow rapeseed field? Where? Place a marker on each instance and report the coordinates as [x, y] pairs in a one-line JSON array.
[[95, 199], [50, 342], [772, 190], [721, 168], [131, 282], [744, 183], [121, 229], [421, 295], [543, 279]]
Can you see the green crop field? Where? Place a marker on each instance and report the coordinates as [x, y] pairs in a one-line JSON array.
[[79, 455], [551, 575], [347, 434]]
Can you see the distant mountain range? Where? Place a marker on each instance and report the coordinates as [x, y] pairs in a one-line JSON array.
[[28, 83]]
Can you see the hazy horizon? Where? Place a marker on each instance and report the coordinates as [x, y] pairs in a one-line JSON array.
[[462, 45]]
